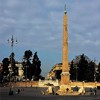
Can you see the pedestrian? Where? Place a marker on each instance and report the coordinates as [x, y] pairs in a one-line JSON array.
[[53, 92], [95, 91], [67, 89], [10, 92], [18, 91]]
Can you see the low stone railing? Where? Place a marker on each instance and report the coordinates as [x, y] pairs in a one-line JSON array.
[[24, 84], [43, 83]]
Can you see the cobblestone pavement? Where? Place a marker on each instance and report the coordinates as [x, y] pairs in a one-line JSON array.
[[35, 94]]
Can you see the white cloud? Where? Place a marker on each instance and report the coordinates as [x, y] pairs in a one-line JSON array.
[[37, 24]]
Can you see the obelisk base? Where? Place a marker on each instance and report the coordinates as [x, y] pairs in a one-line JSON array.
[[64, 90], [65, 78]]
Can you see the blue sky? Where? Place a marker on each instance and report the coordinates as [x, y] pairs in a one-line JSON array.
[[37, 25]]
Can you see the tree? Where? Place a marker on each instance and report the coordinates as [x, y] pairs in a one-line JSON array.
[[5, 62], [5, 71], [90, 71], [27, 64], [58, 74], [36, 70], [27, 54], [13, 66], [72, 71], [82, 65], [98, 73], [85, 68]]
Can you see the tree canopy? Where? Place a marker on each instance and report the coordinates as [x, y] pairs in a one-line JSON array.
[[82, 69], [31, 69]]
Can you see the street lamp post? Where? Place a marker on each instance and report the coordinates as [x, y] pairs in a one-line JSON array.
[[11, 41], [76, 67], [94, 71], [26, 73], [76, 72]]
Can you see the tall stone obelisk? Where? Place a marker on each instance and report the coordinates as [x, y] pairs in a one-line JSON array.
[[65, 77]]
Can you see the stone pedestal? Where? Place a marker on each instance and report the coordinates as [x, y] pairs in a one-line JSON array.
[[64, 90], [65, 78]]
